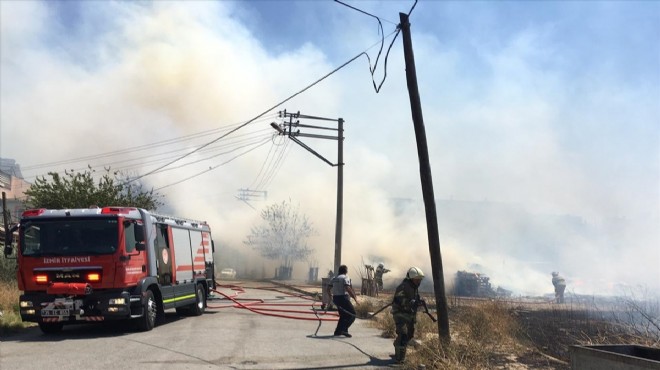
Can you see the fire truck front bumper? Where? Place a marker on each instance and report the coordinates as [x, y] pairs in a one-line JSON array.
[[97, 306]]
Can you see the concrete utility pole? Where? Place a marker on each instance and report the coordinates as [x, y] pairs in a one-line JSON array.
[[282, 129], [340, 192], [427, 182]]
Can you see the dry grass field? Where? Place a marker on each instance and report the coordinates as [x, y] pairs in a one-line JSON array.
[[499, 334]]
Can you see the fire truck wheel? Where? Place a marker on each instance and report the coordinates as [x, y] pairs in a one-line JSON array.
[[51, 327], [200, 298], [148, 320]]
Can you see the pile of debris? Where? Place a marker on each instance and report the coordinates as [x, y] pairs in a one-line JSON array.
[[475, 284]]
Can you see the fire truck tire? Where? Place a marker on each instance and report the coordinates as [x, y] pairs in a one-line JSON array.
[[148, 320], [200, 301], [51, 327]]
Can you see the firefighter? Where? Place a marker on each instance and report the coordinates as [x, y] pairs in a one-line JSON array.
[[560, 285], [378, 276], [404, 311], [341, 289]]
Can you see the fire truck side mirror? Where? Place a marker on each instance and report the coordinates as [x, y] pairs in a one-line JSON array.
[[138, 231]]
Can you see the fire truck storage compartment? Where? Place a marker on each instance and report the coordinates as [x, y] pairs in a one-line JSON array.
[[183, 255]]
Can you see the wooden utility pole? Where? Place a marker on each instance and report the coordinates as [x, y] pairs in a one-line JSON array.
[[427, 182], [4, 212]]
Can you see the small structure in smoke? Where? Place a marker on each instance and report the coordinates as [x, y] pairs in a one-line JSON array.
[[475, 284], [313, 275], [369, 287]]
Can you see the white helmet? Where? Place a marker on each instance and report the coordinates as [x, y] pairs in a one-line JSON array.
[[415, 273]]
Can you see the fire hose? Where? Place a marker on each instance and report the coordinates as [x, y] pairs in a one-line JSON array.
[[257, 306], [426, 311], [423, 304]]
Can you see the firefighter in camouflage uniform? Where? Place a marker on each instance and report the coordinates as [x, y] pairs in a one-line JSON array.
[[404, 311]]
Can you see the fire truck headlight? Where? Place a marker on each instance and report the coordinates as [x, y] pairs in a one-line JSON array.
[[25, 304], [117, 301], [30, 312]]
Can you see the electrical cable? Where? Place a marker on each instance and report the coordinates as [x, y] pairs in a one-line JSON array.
[[231, 131], [129, 166], [413, 7], [268, 168], [372, 70], [263, 165], [125, 164], [203, 172], [133, 149], [266, 181], [251, 120], [258, 143]]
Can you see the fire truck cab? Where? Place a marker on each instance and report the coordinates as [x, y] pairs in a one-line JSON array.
[[111, 263]]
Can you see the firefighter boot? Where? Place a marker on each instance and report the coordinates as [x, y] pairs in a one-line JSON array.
[[399, 354]]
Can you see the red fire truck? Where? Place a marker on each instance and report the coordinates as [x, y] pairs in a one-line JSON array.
[[99, 264]]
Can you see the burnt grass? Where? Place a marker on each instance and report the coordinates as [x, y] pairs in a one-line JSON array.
[[526, 335], [552, 331]]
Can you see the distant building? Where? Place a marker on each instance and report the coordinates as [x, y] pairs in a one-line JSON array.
[[10, 167], [14, 187]]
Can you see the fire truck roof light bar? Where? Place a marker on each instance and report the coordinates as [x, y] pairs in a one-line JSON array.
[[117, 210], [34, 212]]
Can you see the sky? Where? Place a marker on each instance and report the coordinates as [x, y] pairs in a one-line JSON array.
[[542, 121]]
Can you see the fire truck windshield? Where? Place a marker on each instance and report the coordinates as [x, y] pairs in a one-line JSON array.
[[67, 237]]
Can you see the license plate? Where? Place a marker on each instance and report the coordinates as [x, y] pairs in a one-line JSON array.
[[56, 312]]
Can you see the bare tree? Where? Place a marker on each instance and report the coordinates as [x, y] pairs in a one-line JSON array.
[[282, 235]]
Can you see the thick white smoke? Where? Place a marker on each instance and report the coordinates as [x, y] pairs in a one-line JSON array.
[[536, 167]]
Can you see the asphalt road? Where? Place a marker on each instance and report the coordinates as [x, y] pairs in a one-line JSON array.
[[225, 337]]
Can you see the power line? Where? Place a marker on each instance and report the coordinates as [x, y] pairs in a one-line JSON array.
[[127, 164], [253, 119], [241, 144], [256, 145], [209, 169], [231, 131], [130, 149], [362, 11], [372, 70], [275, 168], [267, 160]]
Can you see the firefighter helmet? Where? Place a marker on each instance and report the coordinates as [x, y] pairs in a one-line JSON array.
[[555, 273], [415, 273], [381, 265]]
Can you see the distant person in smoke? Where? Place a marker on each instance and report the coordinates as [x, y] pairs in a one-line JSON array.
[[378, 276], [560, 285], [404, 311], [341, 289]]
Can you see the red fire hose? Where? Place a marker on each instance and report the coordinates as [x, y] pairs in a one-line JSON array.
[[259, 306]]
